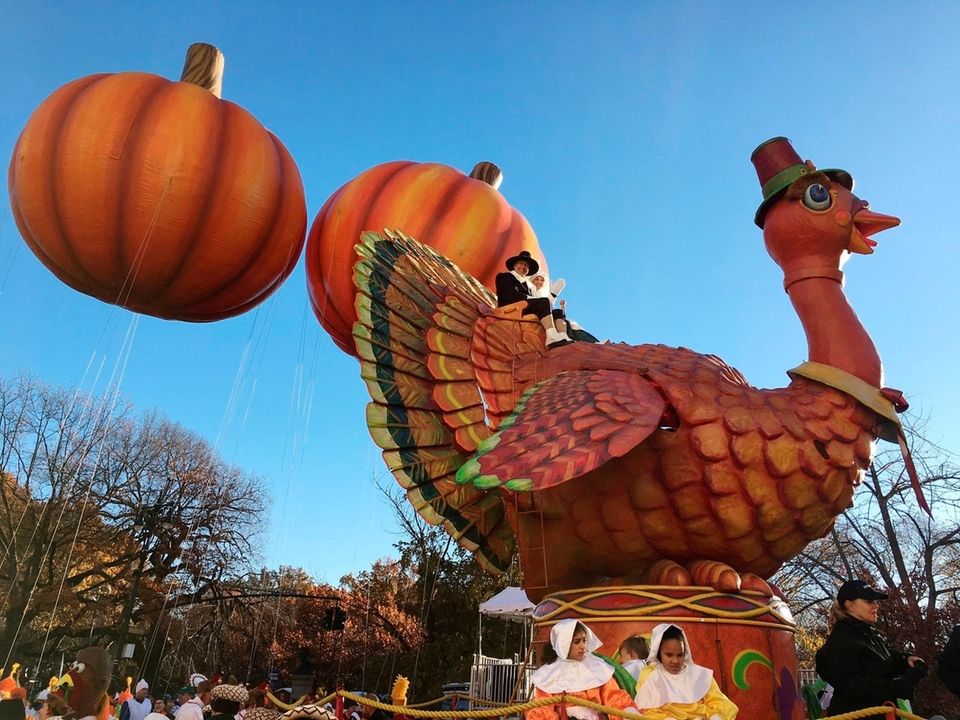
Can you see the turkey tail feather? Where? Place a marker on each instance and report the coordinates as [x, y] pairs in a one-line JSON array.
[[416, 312]]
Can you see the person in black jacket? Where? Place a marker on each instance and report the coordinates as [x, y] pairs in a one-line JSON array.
[[857, 660], [949, 665], [512, 287]]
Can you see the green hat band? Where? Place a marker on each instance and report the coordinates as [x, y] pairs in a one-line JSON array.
[[783, 179]]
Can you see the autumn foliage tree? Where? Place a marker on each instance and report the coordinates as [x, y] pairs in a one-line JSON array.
[[415, 615], [284, 623]]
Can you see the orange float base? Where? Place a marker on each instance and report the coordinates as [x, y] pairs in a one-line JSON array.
[[748, 643]]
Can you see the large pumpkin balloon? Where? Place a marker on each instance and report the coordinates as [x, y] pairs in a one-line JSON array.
[[463, 217], [158, 195]]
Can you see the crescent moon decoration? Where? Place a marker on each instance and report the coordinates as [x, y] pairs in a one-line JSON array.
[[742, 662]]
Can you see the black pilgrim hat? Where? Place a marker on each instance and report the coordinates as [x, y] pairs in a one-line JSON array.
[[524, 255]]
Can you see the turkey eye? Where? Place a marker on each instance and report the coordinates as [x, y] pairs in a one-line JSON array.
[[79, 667], [817, 197]]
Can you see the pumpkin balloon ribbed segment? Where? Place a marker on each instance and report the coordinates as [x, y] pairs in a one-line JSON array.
[[461, 216], [157, 196]]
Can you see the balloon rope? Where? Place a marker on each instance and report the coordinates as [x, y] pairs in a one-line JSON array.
[[253, 643], [427, 602], [225, 422], [292, 459], [407, 603], [156, 627], [276, 620], [123, 360], [116, 383], [326, 294], [256, 339], [366, 634], [64, 440], [166, 637], [126, 288], [71, 406], [260, 346], [12, 254]]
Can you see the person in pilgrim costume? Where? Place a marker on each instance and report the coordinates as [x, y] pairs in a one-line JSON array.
[[576, 672], [140, 705], [512, 287], [540, 289], [673, 687]]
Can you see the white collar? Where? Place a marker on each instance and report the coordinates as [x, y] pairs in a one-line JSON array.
[[538, 292], [572, 675], [634, 667], [660, 688]]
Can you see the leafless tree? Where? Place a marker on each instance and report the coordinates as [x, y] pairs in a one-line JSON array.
[[108, 521]]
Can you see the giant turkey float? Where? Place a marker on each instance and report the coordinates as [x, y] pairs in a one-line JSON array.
[[638, 484]]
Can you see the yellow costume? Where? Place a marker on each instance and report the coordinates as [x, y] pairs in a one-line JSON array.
[[690, 694]]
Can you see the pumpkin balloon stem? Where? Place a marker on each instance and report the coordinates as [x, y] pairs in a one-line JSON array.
[[204, 67], [488, 173]]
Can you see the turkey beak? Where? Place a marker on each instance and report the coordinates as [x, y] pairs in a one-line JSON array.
[[65, 685], [867, 223]]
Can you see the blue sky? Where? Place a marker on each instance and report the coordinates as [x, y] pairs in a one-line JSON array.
[[624, 130]]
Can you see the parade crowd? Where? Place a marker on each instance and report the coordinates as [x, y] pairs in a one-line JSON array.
[[201, 699], [861, 668]]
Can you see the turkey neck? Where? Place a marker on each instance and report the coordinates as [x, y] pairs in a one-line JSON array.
[[835, 335]]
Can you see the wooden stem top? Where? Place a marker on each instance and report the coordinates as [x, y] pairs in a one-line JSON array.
[[204, 67], [488, 173]]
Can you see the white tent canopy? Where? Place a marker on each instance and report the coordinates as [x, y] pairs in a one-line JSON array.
[[502, 678], [511, 603]]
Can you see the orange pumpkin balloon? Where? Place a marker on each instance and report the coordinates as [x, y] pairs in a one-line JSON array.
[[157, 195], [461, 216]]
